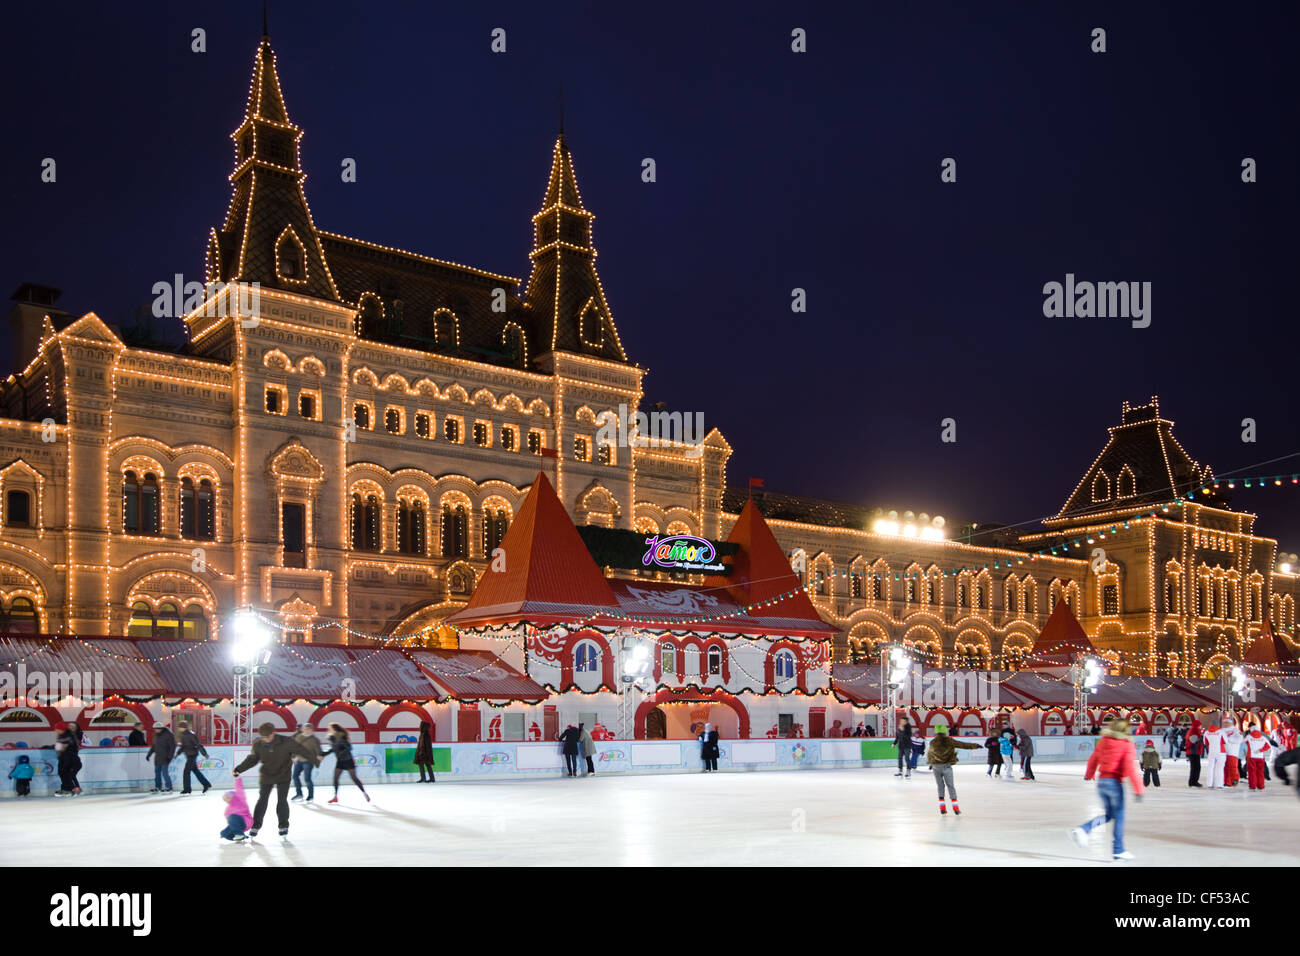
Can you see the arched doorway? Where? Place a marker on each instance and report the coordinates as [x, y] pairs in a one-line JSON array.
[[656, 725]]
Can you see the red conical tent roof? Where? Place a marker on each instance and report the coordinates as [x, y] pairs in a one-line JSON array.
[[1062, 636], [761, 569], [547, 567], [1269, 648]]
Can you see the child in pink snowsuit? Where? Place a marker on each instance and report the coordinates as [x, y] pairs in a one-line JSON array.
[[238, 817]]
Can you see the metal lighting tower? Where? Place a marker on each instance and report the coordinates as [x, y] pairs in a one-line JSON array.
[[1085, 675], [248, 659], [635, 671], [894, 667]]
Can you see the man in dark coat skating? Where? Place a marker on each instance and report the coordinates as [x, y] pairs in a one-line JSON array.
[[190, 746], [275, 753]]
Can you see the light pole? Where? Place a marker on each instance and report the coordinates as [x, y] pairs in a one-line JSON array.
[[635, 670], [1085, 675], [247, 659], [894, 667]]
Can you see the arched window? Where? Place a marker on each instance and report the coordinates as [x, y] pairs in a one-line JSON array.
[[19, 618], [167, 622], [1011, 599], [372, 523], [455, 532], [130, 503], [513, 340], [207, 506], [189, 515], [668, 659], [1124, 485], [446, 328], [1170, 606], [411, 527], [911, 589], [194, 624], [855, 584], [877, 587], [784, 662], [929, 591], [586, 658], [141, 624], [18, 509], [358, 514], [715, 660], [495, 525], [1100, 487]]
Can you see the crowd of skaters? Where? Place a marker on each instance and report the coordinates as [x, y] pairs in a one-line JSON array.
[[1225, 753]]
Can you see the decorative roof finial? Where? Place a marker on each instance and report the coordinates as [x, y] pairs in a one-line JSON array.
[[266, 32], [560, 97]]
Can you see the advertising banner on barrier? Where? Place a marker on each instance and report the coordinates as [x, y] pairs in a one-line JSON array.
[[125, 768]]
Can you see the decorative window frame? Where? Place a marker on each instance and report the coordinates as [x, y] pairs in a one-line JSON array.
[[317, 402], [283, 392], [401, 419], [287, 234]]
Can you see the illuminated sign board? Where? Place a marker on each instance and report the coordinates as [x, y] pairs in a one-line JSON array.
[[681, 552]]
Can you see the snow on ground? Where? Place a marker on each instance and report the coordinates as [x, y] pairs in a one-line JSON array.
[[845, 817]]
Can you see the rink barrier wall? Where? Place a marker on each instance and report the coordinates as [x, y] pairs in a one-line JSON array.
[[107, 769]]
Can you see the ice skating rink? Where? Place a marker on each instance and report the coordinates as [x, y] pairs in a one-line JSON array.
[[842, 817]]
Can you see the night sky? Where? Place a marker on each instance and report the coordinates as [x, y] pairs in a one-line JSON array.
[[775, 170]]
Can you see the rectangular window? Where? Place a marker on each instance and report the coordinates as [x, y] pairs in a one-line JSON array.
[[668, 659], [535, 442], [293, 533], [784, 724], [273, 403], [451, 430], [581, 449], [509, 438], [855, 584], [423, 425], [587, 720], [18, 509], [512, 726], [361, 415], [482, 434], [1110, 599], [307, 405], [605, 454]]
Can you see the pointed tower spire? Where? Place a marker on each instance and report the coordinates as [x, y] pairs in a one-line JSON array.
[[268, 236], [564, 291]]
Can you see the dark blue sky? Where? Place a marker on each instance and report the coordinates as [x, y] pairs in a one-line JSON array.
[[775, 170]]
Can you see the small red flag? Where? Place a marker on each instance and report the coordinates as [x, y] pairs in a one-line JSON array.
[[549, 453], [756, 482]]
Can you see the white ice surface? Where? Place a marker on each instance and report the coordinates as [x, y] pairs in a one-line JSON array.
[[852, 817]]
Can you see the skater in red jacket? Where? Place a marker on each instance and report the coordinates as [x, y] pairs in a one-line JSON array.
[[1112, 761], [1260, 750]]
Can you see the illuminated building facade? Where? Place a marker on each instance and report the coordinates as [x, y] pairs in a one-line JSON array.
[[348, 455]]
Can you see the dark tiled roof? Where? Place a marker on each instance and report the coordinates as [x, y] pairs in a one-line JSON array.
[[770, 504], [411, 288], [1143, 445]]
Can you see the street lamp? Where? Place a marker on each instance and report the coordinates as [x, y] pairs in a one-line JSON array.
[[1087, 675], [636, 671], [248, 658], [894, 666]]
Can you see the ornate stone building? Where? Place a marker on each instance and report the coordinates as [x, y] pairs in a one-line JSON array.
[[346, 455]]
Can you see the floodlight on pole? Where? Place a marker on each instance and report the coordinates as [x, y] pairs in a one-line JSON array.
[[248, 658]]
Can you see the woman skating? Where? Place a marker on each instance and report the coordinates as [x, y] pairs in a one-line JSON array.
[[1113, 760], [995, 756], [1026, 745], [68, 746], [341, 748], [424, 753]]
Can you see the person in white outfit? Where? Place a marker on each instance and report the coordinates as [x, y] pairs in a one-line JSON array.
[[1216, 755], [1233, 740]]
